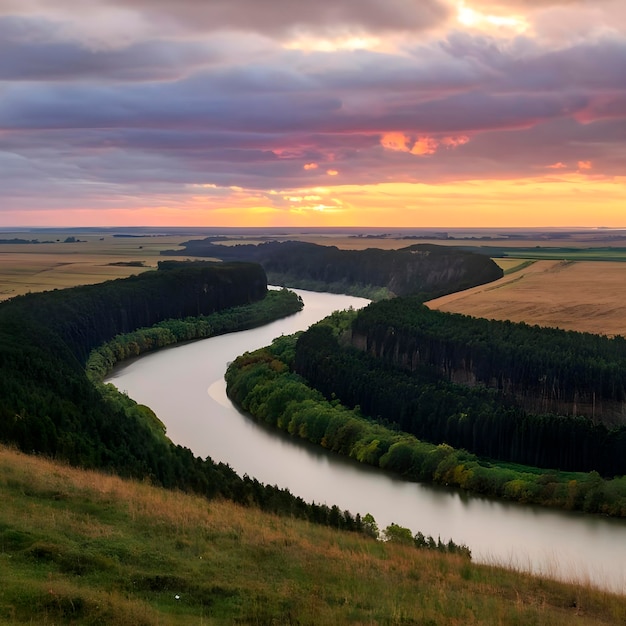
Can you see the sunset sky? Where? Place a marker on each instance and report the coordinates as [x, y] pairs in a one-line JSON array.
[[326, 113]]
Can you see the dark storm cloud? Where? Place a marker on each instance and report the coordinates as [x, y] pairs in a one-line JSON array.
[[467, 84], [522, 66]]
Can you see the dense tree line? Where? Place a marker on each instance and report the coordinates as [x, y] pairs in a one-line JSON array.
[[84, 317], [540, 369], [264, 384], [422, 268], [434, 409], [49, 405]]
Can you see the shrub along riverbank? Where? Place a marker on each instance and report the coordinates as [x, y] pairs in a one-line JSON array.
[[263, 384], [275, 305]]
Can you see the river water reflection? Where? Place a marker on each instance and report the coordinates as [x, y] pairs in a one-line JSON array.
[[185, 386]]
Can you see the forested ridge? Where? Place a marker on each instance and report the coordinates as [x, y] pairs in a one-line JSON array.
[[541, 369], [469, 383], [49, 405], [422, 268]]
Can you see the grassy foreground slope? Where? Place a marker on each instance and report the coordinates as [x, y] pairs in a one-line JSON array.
[[80, 547]]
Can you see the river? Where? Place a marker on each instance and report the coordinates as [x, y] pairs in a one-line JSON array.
[[185, 386]]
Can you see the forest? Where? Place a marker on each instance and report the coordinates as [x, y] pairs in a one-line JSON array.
[[496, 389], [264, 384], [374, 273], [540, 369], [56, 346]]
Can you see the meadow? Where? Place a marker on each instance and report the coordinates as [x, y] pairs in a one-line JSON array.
[[81, 547]]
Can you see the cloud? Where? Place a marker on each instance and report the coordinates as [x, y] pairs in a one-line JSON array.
[[425, 145], [494, 6], [45, 59], [281, 17], [395, 141], [419, 146], [183, 113], [274, 18]]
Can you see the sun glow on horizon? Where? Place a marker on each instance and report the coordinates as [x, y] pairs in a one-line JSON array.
[[563, 200]]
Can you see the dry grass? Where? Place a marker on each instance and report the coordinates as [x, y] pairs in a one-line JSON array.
[[584, 296], [83, 547]]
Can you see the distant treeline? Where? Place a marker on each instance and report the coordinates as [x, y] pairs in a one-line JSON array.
[[374, 273], [493, 388], [20, 241], [48, 404], [600, 253]]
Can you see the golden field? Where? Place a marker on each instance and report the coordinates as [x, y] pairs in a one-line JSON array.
[[586, 296], [44, 266]]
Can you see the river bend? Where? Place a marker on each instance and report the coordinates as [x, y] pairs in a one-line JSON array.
[[185, 386]]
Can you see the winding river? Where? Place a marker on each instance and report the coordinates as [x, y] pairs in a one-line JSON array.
[[185, 386]]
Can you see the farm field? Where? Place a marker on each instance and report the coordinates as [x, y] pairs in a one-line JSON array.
[[27, 267], [585, 296]]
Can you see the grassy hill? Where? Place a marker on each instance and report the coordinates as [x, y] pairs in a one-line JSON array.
[[81, 547]]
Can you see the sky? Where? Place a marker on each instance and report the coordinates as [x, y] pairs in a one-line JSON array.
[[398, 113]]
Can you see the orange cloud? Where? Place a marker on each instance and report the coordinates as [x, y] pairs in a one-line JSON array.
[[425, 145], [584, 165], [422, 145], [332, 172], [311, 166], [395, 141], [556, 166]]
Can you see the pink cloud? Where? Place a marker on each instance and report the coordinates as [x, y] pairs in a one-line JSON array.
[[395, 141], [425, 145]]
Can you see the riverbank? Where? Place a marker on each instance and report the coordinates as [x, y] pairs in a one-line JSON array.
[[276, 305]]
